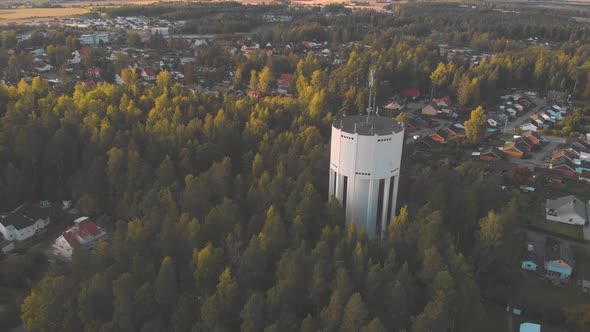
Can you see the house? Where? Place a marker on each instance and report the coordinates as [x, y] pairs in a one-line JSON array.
[[555, 114], [518, 107], [525, 143], [511, 111], [6, 246], [256, 94], [411, 93], [524, 102], [514, 149], [94, 38], [429, 110], [546, 117], [441, 135], [84, 235], [530, 327], [94, 72], [444, 102], [565, 166], [76, 58], [558, 260], [568, 210], [492, 122], [538, 120], [25, 221], [457, 129], [491, 153], [581, 148], [531, 259], [44, 68], [283, 83], [148, 75], [532, 136], [396, 104], [38, 52], [529, 126]]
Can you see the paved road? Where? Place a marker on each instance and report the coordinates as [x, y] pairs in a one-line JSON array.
[[537, 158], [511, 127]]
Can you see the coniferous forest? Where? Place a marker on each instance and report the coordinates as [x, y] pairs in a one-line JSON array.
[[217, 207]]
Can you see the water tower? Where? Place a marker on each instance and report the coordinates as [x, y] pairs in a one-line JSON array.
[[365, 156]]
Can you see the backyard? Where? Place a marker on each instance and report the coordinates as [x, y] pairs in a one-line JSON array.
[[559, 229]]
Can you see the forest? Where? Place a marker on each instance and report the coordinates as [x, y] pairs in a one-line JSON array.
[[220, 221], [216, 206]]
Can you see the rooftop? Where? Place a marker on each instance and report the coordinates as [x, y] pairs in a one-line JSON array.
[[368, 125], [554, 250], [25, 215], [81, 234], [567, 206]]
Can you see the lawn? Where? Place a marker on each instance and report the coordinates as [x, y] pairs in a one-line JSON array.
[[23, 15], [582, 259], [496, 319], [545, 294], [559, 229]]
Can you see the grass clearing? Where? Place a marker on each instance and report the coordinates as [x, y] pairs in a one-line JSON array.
[[24, 15], [543, 293], [582, 259], [496, 318], [573, 232]]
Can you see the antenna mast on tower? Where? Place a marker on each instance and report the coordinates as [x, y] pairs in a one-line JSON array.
[[371, 96]]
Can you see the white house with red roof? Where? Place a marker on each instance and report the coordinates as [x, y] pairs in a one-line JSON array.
[[94, 71], [283, 83], [148, 74], [84, 235]]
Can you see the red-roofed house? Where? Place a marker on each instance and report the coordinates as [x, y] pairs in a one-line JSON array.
[[94, 72], [444, 102], [148, 74], [411, 93], [283, 83], [84, 235]]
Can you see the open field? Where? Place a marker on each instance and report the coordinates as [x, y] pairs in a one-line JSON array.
[[24, 15]]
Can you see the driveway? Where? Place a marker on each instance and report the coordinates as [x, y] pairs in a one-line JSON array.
[[538, 237], [537, 158]]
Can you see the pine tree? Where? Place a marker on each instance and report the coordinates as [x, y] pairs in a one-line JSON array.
[[166, 285]]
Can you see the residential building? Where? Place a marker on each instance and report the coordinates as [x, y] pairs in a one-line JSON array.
[[283, 83], [94, 72], [411, 93], [84, 235], [490, 154], [514, 149], [533, 137], [94, 38], [559, 262], [429, 110], [6, 246], [529, 126], [567, 210], [444, 102], [148, 74], [396, 104], [441, 135], [25, 221]]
